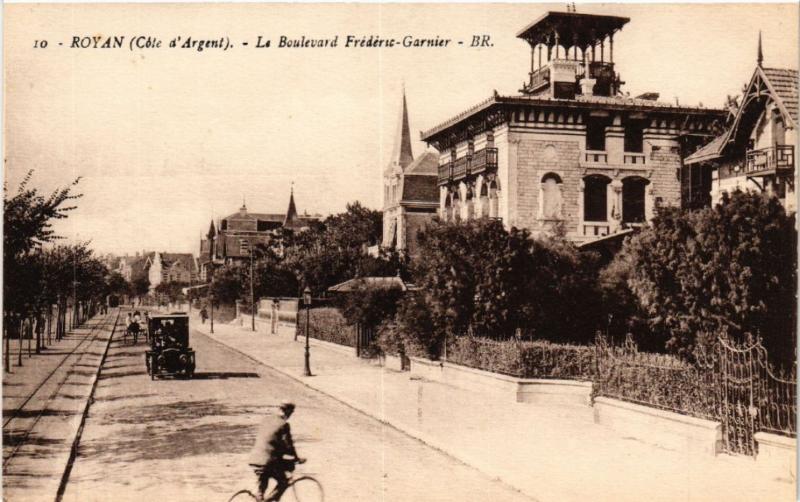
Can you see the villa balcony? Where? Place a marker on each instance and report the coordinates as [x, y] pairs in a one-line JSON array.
[[768, 161], [480, 161]]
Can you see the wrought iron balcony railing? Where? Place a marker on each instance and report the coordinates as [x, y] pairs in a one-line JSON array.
[[538, 79], [770, 160]]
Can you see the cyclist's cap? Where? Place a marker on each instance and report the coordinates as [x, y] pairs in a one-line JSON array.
[[286, 405]]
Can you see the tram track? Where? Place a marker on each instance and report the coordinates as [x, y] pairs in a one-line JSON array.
[[23, 430]]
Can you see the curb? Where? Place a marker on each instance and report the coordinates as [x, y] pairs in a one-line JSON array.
[[89, 400], [407, 431]]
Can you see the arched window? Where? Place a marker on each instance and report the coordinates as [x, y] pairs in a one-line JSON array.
[[633, 196], [550, 194], [595, 198]]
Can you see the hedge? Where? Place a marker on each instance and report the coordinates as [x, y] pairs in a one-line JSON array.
[[327, 324], [538, 359]]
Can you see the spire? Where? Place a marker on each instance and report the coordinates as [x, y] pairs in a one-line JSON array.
[[760, 51], [291, 213], [212, 231], [402, 155], [243, 209]]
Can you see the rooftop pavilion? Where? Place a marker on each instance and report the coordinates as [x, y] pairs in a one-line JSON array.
[[576, 54]]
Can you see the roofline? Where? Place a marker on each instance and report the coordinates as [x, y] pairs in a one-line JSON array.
[[777, 97], [541, 18], [561, 103]]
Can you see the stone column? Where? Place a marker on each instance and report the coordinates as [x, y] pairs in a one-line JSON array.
[[614, 205]]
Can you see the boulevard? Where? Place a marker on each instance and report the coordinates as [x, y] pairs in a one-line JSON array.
[[174, 439]]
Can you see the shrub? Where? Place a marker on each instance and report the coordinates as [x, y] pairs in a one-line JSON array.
[[327, 324], [523, 359], [369, 306], [728, 269], [478, 276]]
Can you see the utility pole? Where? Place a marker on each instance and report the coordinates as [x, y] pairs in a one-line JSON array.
[[252, 295]]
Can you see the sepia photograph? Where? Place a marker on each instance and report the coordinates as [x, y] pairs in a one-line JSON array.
[[391, 252]]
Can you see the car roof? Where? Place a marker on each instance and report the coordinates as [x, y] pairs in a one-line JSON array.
[[169, 316]]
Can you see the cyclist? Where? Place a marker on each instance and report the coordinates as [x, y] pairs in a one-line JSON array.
[[273, 443]]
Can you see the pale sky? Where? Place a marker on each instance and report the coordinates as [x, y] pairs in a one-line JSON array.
[[166, 139]]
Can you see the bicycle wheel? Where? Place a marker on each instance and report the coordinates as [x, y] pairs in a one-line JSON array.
[[243, 496], [304, 489]]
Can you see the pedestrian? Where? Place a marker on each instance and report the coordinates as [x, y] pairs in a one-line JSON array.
[[203, 315]]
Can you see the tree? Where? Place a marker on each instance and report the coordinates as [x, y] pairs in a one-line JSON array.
[[28, 216], [728, 269], [477, 275], [140, 286], [228, 284]]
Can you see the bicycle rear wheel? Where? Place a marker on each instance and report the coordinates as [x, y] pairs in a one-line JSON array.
[[243, 496], [304, 489]]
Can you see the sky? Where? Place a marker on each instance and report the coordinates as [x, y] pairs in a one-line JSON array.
[[167, 139]]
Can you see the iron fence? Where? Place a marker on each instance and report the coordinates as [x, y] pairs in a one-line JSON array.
[[733, 383]]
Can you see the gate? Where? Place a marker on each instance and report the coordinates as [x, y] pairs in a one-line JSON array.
[[733, 384], [365, 339], [751, 396]]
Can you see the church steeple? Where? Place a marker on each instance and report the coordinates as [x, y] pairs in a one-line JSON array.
[[291, 213], [212, 231], [402, 154]]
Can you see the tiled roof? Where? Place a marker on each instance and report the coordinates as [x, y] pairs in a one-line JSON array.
[[420, 188], [711, 150], [785, 83], [427, 163], [256, 216], [185, 259]]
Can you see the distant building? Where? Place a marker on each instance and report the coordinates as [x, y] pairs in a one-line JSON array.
[[410, 192], [757, 150], [571, 153], [171, 267], [136, 266], [231, 240]]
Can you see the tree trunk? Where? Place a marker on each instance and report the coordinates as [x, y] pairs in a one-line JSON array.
[[6, 334], [20, 327]]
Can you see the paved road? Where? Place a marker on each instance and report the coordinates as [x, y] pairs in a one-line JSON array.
[[176, 440]]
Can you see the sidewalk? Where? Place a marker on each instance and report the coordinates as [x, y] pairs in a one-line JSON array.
[[550, 453], [43, 406]]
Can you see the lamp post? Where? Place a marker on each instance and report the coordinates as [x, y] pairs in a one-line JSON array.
[[307, 302]]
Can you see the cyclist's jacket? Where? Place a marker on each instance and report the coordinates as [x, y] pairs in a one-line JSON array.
[[273, 441]]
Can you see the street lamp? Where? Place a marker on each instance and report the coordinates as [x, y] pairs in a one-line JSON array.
[[307, 302]]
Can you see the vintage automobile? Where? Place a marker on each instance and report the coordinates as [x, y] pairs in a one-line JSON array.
[[169, 354]]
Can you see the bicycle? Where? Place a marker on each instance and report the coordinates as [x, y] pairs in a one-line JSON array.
[[302, 488]]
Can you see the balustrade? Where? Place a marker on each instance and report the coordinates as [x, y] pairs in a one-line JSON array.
[[769, 160], [633, 158], [596, 229]]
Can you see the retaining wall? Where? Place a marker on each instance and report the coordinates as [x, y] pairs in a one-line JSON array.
[[659, 427], [521, 390]]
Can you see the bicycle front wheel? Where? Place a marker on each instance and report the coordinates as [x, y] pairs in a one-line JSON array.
[[304, 489], [243, 496]]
